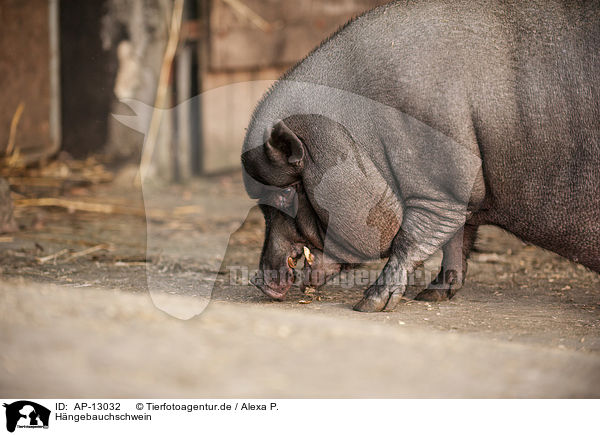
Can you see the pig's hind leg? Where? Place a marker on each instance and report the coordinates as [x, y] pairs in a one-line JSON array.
[[454, 266]]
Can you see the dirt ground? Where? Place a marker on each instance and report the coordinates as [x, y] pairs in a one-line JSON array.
[[82, 323]]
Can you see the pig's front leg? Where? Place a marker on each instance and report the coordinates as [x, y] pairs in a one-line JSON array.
[[424, 230]]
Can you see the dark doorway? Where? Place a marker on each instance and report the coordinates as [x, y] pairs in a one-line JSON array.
[[87, 77]]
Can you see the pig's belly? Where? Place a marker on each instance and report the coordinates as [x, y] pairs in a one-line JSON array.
[[362, 212], [364, 234]]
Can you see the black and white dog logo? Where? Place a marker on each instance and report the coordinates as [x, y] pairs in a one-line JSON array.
[[26, 414]]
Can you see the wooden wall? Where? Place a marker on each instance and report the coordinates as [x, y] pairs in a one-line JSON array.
[[287, 32], [27, 72]]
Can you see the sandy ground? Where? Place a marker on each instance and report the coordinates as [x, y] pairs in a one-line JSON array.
[[526, 324]]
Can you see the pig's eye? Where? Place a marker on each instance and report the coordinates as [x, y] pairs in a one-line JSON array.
[[288, 192], [284, 199], [287, 201]]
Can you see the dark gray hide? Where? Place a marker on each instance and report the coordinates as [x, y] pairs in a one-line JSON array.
[[419, 121]]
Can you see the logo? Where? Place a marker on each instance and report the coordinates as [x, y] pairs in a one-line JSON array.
[[26, 414]]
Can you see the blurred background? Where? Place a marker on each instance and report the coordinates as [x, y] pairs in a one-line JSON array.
[[65, 66]]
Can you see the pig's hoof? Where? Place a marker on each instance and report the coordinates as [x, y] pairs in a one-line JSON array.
[[377, 299], [434, 295], [370, 305]]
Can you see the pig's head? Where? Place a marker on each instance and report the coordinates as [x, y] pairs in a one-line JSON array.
[[292, 232], [274, 173], [317, 203]]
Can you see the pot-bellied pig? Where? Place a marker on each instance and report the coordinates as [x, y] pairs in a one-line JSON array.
[[419, 121]]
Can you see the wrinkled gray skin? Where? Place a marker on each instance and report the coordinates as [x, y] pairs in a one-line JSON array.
[[495, 119]]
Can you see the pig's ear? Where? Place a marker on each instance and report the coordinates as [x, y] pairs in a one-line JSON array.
[[283, 147]]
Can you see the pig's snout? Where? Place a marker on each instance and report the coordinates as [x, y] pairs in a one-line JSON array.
[[318, 268], [274, 283]]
